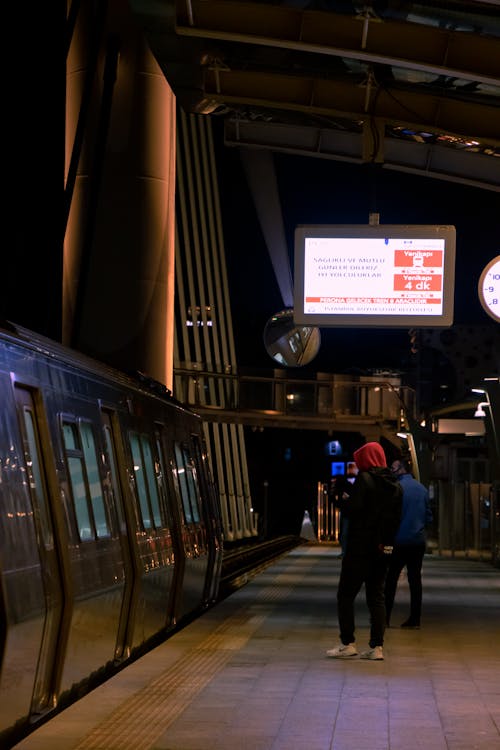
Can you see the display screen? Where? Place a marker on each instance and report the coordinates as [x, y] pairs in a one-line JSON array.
[[386, 276]]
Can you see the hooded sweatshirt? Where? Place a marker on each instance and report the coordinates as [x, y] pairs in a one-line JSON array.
[[369, 456], [363, 506]]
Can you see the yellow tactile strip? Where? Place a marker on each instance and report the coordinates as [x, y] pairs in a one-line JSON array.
[[149, 712]]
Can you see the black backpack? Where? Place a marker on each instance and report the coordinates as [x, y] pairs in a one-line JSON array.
[[388, 496]]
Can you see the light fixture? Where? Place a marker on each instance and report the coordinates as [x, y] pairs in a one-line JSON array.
[[479, 409], [478, 390], [403, 435]]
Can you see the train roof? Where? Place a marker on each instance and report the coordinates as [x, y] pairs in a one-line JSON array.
[[51, 349]]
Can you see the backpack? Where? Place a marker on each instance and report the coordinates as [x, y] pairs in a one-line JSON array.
[[388, 495]]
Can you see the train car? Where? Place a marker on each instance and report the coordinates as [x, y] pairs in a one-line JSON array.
[[110, 528]]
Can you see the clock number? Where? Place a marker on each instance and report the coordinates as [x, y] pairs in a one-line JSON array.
[[489, 288]]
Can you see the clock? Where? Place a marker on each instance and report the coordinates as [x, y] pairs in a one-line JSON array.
[[488, 288]]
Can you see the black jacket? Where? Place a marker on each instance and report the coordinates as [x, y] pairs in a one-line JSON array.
[[374, 511]]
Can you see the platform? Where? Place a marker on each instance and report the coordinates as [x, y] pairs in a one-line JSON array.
[[251, 673]]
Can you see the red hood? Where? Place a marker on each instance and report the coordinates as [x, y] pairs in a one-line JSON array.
[[369, 456]]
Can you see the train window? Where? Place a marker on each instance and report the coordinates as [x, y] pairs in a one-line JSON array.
[[94, 479], [114, 476], [192, 482], [183, 485], [85, 480], [187, 483], [77, 479], [140, 481], [145, 479], [151, 480], [111, 457], [162, 480], [36, 477]]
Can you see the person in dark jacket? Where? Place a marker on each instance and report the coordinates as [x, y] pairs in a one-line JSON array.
[[339, 487], [409, 544], [364, 561]]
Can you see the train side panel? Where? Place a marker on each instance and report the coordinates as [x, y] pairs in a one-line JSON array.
[[24, 606], [109, 532]]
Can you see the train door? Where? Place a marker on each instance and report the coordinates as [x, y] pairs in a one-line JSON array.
[[113, 445], [36, 467], [194, 528], [169, 500], [156, 554], [211, 510]]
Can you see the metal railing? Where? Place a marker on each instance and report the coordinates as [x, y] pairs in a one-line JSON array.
[[330, 397]]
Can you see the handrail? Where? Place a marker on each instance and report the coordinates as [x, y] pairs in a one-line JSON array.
[[328, 396]]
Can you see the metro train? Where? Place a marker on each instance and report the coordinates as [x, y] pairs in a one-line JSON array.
[[110, 525]]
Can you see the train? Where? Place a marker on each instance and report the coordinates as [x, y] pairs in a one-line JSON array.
[[110, 525]]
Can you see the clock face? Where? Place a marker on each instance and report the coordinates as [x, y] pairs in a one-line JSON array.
[[489, 288]]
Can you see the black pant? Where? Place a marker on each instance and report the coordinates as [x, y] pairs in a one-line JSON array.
[[410, 556], [356, 570]]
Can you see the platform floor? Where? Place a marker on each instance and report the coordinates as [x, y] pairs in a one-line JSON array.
[[251, 673]]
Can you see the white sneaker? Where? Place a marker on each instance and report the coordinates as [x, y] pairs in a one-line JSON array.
[[342, 651], [376, 654]]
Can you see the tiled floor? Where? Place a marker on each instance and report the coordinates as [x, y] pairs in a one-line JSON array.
[[252, 674]]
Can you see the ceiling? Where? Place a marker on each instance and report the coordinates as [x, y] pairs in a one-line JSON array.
[[408, 86]]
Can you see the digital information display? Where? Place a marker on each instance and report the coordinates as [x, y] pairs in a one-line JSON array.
[[384, 276]]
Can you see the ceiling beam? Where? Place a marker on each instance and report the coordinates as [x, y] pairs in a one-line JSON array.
[[441, 52], [424, 159], [334, 98]]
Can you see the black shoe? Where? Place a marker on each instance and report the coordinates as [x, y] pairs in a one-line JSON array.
[[411, 625]]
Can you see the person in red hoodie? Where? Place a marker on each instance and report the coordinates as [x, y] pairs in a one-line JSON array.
[[373, 508]]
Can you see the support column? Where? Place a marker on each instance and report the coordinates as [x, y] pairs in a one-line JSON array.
[[118, 279]]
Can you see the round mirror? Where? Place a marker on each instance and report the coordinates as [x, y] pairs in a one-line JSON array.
[[289, 344]]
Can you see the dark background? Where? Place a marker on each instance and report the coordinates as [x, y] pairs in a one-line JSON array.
[[319, 191], [316, 191]]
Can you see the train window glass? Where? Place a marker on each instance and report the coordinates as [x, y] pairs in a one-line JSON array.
[[69, 437], [74, 458], [163, 482], [140, 480], [94, 480], [207, 485], [35, 475], [115, 482], [77, 480], [183, 485], [192, 484], [146, 480], [177, 489], [151, 480], [111, 456]]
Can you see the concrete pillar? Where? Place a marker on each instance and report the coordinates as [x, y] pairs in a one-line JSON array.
[[118, 278]]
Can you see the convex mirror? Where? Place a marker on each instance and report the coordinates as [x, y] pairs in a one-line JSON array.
[[289, 344]]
